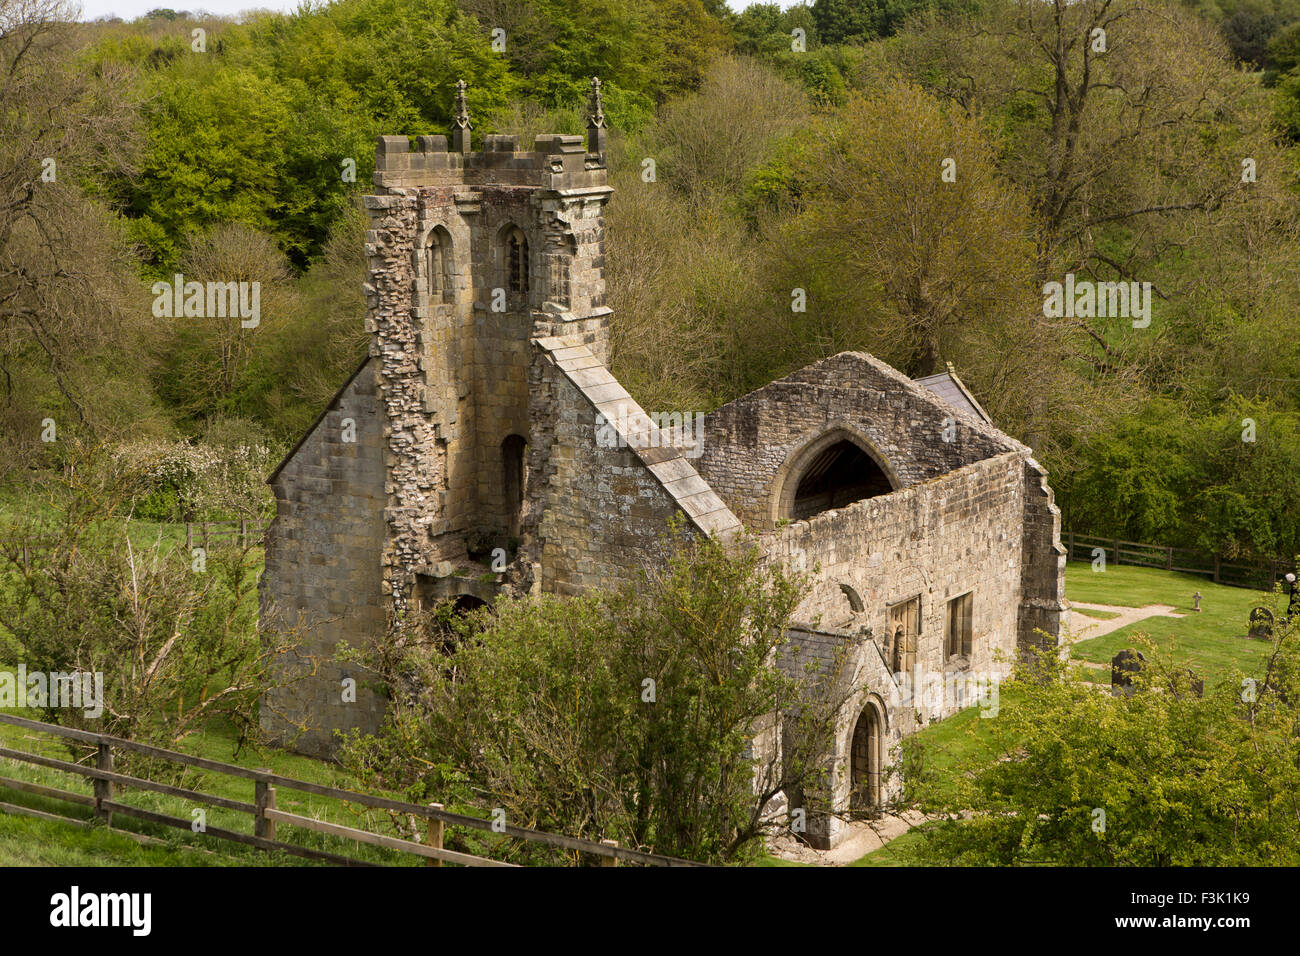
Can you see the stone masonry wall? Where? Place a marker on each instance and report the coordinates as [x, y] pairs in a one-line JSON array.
[[938, 539], [322, 568], [413, 471], [603, 515], [1042, 601]]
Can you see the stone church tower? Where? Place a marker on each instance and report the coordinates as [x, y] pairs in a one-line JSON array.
[[472, 256]]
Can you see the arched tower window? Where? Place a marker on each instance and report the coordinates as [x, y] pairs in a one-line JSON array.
[[438, 264], [516, 260], [832, 472]]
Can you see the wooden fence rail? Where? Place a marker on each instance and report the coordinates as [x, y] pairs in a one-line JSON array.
[[197, 533], [263, 809], [1262, 575]]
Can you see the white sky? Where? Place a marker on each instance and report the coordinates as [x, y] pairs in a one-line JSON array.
[[130, 9]]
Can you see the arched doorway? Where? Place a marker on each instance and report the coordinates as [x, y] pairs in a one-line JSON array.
[[864, 761], [838, 476]]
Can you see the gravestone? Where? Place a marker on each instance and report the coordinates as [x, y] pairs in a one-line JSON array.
[[1122, 666], [1261, 624]]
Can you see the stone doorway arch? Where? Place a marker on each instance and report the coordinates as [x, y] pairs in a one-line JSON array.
[[864, 761]]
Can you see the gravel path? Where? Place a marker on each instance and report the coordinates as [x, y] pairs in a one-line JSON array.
[[1082, 627]]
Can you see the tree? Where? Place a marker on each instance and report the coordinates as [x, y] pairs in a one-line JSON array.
[[647, 716], [921, 212], [839, 21], [172, 636], [67, 334], [1160, 778]]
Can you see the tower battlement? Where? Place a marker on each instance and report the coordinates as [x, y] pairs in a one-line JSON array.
[[556, 162]]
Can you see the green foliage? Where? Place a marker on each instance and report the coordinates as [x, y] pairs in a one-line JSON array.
[[176, 642], [1189, 480], [625, 716], [1159, 778], [858, 21], [1249, 26]]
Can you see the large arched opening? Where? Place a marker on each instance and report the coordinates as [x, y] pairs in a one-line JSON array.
[[831, 472]]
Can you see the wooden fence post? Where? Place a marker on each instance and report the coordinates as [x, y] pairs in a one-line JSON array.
[[1216, 569], [609, 860], [263, 800], [1117, 551], [433, 837], [243, 532], [189, 536], [104, 788], [1069, 547], [1169, 559]]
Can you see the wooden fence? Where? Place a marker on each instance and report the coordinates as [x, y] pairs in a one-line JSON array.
[[1261, 575], [204, 531], [265, 814], [197, 534]]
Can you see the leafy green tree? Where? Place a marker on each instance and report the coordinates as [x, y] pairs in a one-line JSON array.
[[629, 716], [839, 21], [1163, 777]]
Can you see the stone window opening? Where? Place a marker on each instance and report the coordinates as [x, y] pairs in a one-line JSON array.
[[516, 261], [905, 634], [438, 262], [514, 472], [960, 633]]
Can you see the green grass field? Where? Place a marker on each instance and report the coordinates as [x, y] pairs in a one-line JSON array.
[[1212, 641]]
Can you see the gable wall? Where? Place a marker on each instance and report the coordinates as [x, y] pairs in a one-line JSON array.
[[603, 514], [745, 444], [323, 567]]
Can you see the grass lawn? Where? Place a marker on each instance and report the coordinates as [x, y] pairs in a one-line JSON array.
[[1100, 615], [1212, 641]]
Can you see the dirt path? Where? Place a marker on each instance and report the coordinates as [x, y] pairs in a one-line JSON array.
[[1082, 627], [863, 838]]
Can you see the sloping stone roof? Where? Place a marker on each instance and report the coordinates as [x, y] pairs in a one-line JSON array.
[[642, 436], [953, 390]]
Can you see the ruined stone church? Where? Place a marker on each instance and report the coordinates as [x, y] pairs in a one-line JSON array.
[[485, 421]]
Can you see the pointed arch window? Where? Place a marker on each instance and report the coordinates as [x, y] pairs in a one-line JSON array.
[[516, 261], [438, 264]]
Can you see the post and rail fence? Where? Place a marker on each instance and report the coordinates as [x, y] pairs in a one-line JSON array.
[[1260, 575], [105, 783], [243, 532]]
